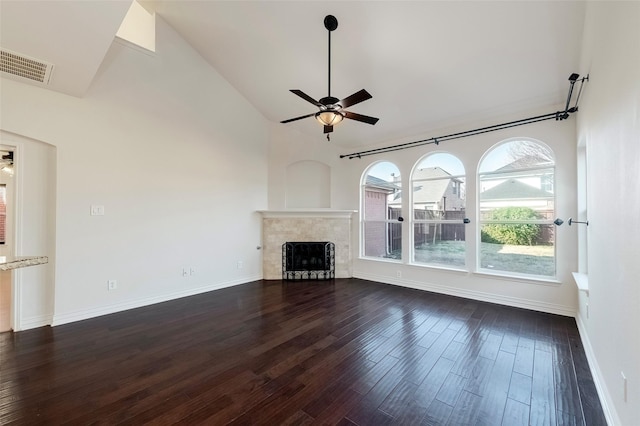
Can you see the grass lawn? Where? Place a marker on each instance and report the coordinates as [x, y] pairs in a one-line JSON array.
[[534, 260]]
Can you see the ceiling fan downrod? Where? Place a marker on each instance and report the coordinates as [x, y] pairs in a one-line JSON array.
[[330, 23]]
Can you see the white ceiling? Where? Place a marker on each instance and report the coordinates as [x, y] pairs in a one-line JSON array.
[[427, 64], [74, 36]]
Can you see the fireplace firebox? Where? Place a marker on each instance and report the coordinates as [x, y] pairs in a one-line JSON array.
[[308, 260]]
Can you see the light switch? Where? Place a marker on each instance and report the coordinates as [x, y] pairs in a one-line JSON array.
[[97, 210]]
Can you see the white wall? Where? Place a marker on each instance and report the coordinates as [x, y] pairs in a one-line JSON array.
[[288, 147], [308, 185], [178, 159], [609, 125]]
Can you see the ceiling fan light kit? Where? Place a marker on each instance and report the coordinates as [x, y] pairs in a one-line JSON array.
[[332, 109], [329, 118]]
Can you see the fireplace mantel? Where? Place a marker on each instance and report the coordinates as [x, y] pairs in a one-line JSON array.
[[328, 213]]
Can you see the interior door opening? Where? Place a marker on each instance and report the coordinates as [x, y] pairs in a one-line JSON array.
[[6, 236]]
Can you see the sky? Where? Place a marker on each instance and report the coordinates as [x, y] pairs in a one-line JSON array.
[[497, 157]]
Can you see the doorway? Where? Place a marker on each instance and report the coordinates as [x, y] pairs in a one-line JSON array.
[[6, 234]]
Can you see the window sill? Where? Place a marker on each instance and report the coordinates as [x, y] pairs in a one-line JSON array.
[[380, 259], [529, 279], [440, 267], [582, 281]]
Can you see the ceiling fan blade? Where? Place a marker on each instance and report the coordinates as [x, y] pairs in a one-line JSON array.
[[305, 97], [298, 118], [360, 117], [356, 98], [328, 129]]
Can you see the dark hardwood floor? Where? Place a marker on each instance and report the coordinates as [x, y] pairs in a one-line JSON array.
[[346, 352]]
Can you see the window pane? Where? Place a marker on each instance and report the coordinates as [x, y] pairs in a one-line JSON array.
[[516, 155], [516, 196], [381, 191], [439, 243], [382, 206], [439, 193], [383, 239], [442, 160], [532, 189], [378, 204], [518, 248], [439, 199]]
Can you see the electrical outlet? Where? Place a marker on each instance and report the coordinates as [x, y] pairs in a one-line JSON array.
[[240, 264], [112, 285], [185, 272], [398, 274], [97, 210], [192, 271], [624, 386], [587, 309]]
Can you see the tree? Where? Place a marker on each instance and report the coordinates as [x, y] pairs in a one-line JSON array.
[[511, 233], [529, 153]]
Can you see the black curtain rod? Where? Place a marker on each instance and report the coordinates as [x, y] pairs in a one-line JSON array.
[[558, 116]]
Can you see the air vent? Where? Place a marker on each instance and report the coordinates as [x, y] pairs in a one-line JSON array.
[[22, 66]]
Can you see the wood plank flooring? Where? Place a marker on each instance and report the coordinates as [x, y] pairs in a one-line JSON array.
[[342, 352]]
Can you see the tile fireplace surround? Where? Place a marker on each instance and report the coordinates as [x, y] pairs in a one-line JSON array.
[[281, 226]]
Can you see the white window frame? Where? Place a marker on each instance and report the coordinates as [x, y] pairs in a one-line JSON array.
[[544, 222], [428, 222], [387, 221]]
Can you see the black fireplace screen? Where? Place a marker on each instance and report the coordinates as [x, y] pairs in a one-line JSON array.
[[308, 260]]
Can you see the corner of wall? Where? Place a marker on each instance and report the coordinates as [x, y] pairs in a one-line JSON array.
[[598, 378]]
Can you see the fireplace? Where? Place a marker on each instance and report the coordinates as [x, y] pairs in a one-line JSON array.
[[308, 260], [280, 226]]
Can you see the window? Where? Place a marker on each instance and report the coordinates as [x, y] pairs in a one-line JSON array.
[[516, 199], [438, 210], [381, 207]]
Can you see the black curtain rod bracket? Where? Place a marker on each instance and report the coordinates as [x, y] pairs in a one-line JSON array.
[[570, 221]]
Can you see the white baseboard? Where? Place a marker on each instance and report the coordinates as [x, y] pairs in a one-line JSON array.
[[67, 317], [516, 302], [601, 387], [33, 322]]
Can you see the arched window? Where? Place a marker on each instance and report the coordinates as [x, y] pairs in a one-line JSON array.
[[438, 210], [381, 207], [517, 202]]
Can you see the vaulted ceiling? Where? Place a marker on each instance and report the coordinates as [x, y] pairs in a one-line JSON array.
[[427, 64]]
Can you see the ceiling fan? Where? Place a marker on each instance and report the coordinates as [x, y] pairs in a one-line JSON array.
[[331, 109]]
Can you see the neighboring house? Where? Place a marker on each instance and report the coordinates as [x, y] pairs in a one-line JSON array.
[[378, 192], [520, 170], [378, 238], [528, 160], [440, 193], [516, 193], [526, 182]]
